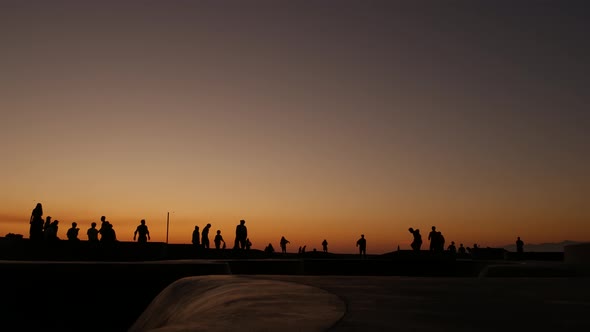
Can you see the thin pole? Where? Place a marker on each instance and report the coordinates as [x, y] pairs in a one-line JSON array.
[[167, 225]]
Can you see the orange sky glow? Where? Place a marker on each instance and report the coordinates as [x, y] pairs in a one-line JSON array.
[[311, 121]]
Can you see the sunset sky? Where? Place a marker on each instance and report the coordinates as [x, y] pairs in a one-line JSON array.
[[309, 119]]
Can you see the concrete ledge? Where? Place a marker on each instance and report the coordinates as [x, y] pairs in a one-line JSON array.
[[172, 270], [533, 270], [577, 253], [266, 266]]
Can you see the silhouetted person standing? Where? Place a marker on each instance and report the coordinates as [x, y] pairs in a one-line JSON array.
[[362, 245], [218, 239], [103, 229], [92, 233], [284, 244], [196, 237], [241, 235], [325, 245], [142, 230], [205, 236], [519, 245], [417, 243], [439, 241], [72, 233], [433, 237], [36, 223]]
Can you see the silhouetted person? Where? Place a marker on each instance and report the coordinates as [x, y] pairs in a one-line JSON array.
[[440, 242], [218, 239], [461, 249], [92, 233], [51, 231], [284, 244], [142, 230], [36, 223], [111, 233], [417, 243], [269, 249], [241, 235], [248, 244], [433, 237], [205, 236], [107, 232], [325, 245], [519, 245], [47, 223], [303, 249], [72, 233], [103, 229], [196, 237], [452, 249], [362, 245]]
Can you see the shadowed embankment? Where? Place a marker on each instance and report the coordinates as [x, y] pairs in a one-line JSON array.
[[86, 296]]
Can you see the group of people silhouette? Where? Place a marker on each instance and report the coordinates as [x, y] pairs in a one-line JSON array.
[[241, 241], [47, 230], [302, 249]]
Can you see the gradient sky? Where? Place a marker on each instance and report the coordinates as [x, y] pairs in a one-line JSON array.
[[308, 119]]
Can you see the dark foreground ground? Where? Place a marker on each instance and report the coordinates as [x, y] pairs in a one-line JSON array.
[[457, 304], [110, 296], [65, 287]]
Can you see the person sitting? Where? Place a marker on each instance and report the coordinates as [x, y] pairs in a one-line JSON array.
[[72, 233], [218, 239], [92, 233]]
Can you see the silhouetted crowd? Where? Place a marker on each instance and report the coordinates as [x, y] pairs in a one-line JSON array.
[[47, 230]]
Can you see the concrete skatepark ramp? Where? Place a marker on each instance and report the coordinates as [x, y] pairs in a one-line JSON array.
[[229, 303]]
